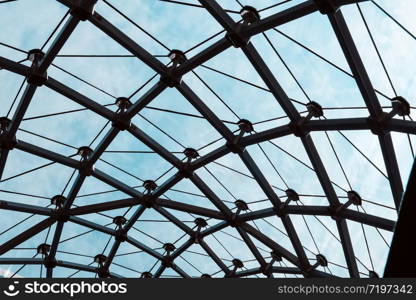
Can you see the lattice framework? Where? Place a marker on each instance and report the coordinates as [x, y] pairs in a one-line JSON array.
[[237, 35]]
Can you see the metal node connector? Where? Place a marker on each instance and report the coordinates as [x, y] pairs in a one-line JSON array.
[[249, 14]]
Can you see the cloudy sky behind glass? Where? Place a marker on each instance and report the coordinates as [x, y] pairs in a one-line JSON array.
[[26, 24]]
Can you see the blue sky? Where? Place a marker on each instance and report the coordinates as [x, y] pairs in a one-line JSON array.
[[182, 27]]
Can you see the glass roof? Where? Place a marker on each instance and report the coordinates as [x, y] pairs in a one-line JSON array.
[[321, 157]]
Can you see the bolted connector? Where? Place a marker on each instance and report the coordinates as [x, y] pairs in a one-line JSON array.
[[400, 106], [86, 167], [4, 124], [120, 121], [6, 142], [238, 264], [35, 56], [200, 222], [123, 103], [100, 259], [177, 57], [149, 185], [321, 261], [275, 257], [373, 274], [314, 110], [83, 9], [35, 77], [354, 198], [167, 259], [121, 235], [119, 221], [103, 272], [241, 205], [245, 126], [249, 14], [377, 125], [171, 77], [58, 201], [148, 200], [49, 263], [297, 127], [146, 275], [43, 249], [169, 247], [236, 35], [234, 145], [84, 152], [190, 153], [327, 6], [292, 195]]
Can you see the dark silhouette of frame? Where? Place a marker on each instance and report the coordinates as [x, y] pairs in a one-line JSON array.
[[237, 35]]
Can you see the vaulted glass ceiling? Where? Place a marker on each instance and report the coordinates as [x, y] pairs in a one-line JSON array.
[[156, 147]]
